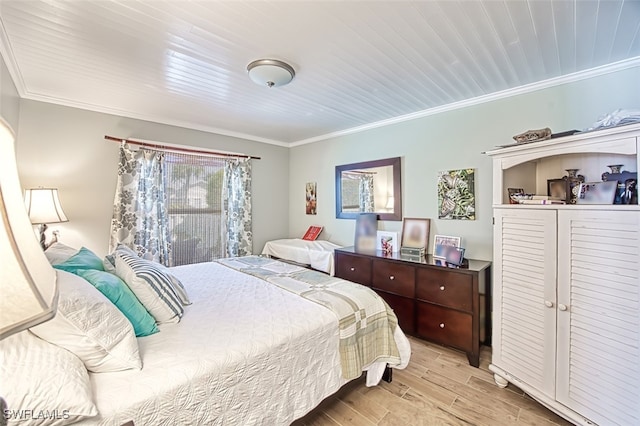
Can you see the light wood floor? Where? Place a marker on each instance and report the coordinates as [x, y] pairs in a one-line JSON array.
[[438, 387]]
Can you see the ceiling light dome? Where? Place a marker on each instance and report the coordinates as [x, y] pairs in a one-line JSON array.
[[270, 72]]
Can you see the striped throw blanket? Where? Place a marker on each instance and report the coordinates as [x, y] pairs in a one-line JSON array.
[[366, 322]]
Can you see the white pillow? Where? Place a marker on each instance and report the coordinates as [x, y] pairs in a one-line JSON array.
[[59, 253], [44, 378], [151, 285], [90, 326]]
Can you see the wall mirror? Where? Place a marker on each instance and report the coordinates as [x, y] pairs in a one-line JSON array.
[[369, 187]]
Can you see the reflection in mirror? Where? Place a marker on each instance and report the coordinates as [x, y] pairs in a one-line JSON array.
[[369, 187]]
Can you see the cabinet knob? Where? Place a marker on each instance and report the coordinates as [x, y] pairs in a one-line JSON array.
[[352, 269], [441, 288], [562, 307], [391, 277], [548, 303], [441, 325]]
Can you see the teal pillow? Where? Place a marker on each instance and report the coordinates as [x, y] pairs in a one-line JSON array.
[[120, 295], [83, 259]]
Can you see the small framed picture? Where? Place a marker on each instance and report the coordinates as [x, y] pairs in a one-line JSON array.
[[558, 188], [415, 232], [441, 244], [387, 241]]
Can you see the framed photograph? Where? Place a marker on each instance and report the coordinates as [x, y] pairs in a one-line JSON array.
[[558, 188], [415, 232], [454, 255], [597, 192], [456, 194], [441, 244], [387, 241]]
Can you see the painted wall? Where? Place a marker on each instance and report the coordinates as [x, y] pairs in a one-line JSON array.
[[65, 148], [446, 141], [9, 98]]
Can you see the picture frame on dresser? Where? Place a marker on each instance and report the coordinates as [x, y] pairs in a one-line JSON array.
[[415, 232], [441, 242]]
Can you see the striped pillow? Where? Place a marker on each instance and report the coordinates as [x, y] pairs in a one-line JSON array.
[[152, 286]]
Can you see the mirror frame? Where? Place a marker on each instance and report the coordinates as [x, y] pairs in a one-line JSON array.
[[397, 188]]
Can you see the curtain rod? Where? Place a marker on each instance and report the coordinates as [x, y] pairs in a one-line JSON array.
[[179, 149]]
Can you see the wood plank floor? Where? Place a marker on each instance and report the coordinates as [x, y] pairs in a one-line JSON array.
[[438, 387]]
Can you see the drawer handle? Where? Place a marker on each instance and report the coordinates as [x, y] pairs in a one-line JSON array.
[[562, 307], [548, 303], [352, 269], [392, 277], [441, 325], [441, 288]]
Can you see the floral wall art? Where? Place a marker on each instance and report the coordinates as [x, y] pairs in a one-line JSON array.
[[456, 195]]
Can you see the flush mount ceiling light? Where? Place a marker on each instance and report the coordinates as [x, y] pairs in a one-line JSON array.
[[270, 72]]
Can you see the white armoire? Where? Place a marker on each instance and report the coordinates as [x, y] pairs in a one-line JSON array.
[[566, 296]]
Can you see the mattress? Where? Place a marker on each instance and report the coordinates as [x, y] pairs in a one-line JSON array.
[[318, 254], [245, 353]]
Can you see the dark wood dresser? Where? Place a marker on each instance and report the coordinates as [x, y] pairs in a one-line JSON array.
[[450, 306]]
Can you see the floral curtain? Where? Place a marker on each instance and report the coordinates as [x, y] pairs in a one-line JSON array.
[[236, 197], [140, 219], [366, 193]]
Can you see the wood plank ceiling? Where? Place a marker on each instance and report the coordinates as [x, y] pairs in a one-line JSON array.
[[357, 63]]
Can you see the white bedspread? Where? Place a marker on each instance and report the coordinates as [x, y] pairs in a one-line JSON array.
[[318, 254], [245, 353]]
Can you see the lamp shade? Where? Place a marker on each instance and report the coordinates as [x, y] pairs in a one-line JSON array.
[[270, 72], [28, 292], [43, 206], [390, 203]]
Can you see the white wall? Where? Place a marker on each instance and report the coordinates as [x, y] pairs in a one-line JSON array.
[[65, 148], [450, 140], [9, 98]]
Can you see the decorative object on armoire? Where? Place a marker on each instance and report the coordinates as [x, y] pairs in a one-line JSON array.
[[513, 194], [626, 192], [456, 195], [533, 135], [311, 197], [619, 117], [563, 134], [573, 182], [366, 231], [558, 189], [580, 292], [415, 232], [596, 192]]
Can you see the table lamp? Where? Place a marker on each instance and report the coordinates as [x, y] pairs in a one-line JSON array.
[[43, 207]]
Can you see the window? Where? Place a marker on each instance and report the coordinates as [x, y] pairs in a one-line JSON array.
[[194, 197]]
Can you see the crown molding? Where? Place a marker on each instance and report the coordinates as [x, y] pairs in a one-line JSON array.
[[520, 90]]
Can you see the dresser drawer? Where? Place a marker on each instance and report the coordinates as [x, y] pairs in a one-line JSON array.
[[403, 308], [394, 277], [446, 288], [353, 268], [446, 326]]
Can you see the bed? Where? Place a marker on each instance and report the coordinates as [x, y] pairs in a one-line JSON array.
[[317, 254], [258, 345]]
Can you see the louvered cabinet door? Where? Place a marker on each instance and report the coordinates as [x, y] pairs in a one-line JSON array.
[[599, 315], [524, 314]]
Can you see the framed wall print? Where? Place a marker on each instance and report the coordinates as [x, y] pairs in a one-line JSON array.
[[415, 232]]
